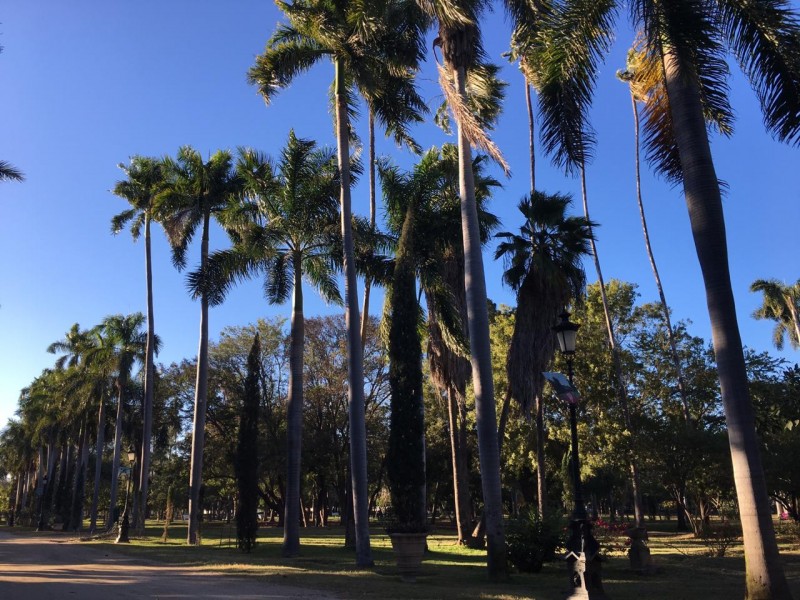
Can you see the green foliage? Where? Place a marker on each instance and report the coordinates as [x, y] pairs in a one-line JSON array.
[[405, 461], [246, 463], [531, 540]]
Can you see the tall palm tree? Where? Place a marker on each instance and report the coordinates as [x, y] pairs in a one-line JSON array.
[[544, 268], [641, 84], [126, 346], [460, 43], [286, 229], [193, 192], [140, 189], [690, 40], [781, 303], [374, 47]]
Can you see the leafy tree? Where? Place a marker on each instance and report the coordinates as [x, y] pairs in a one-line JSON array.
[[9, 172], [406, 455], [247, 454], [781, 303]]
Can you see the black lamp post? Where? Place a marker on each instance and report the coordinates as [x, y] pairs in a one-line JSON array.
[[583, 558], [124, 525]]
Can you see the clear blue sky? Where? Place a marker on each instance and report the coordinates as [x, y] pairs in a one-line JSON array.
[[86, 84]]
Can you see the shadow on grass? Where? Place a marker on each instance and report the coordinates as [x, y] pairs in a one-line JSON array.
[[449, 571]]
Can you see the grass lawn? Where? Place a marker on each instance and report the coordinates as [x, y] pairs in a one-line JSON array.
[[453, 572]]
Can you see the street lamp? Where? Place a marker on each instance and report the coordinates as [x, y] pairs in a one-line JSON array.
[[583, 558], [124, 526]]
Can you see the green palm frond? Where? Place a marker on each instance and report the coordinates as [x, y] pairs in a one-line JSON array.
[[565, 63], [765, 38], [9, 172]]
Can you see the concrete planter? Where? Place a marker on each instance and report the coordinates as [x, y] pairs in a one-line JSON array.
[[409, 549]]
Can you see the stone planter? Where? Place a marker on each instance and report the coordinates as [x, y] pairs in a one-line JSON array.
[[409, 549]]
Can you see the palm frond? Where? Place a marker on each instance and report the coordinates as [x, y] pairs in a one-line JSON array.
[[765, 38]]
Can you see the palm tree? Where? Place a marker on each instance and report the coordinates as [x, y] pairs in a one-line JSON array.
[[140, 189], [126, 346], [690, 40], [781, 303], [286, 229], [76, 345], [9, 172], [641, 84], [195, 190], [544, 268], [460, 43], [374, 47]]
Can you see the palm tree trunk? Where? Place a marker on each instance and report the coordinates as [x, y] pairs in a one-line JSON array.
[[76, 509], [294, 419], [622, 394], [456, 410], [676, 361], [355, 366], [480, 350], [117, 451], [98, 464], [372, 203], [149, 383], [764, 571], [200, 398], [541, 440], [531, 139]]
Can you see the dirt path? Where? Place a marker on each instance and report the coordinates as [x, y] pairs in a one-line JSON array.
[[55, 568]]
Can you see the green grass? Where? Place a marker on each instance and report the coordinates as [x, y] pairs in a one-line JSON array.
[[450, 571]]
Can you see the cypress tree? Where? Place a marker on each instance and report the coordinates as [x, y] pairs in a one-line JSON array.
[[247, 454]]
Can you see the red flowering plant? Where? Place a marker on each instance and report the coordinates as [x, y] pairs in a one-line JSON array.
[[612, 537]]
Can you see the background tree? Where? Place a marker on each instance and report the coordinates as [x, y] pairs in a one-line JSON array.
[[781, 303]]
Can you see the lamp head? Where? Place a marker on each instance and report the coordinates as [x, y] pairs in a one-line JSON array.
[[567, 333]]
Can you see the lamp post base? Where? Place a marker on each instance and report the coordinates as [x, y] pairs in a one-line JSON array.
[[584, 563], [124, 527]]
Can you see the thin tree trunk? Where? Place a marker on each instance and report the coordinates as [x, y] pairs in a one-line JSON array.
[[676, 361], [372, 206], [480, 350], [355, 366], [78, 489], [294, 419], [764, 571], [622, 394], [117, 451], [456, 411], [541, 440], [149, 384], [200, 399], [98, 464], [531, 138]]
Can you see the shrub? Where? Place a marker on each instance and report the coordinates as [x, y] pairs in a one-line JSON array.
[[530, 540]]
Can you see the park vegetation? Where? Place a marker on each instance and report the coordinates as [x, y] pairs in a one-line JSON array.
[[312, 421]]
